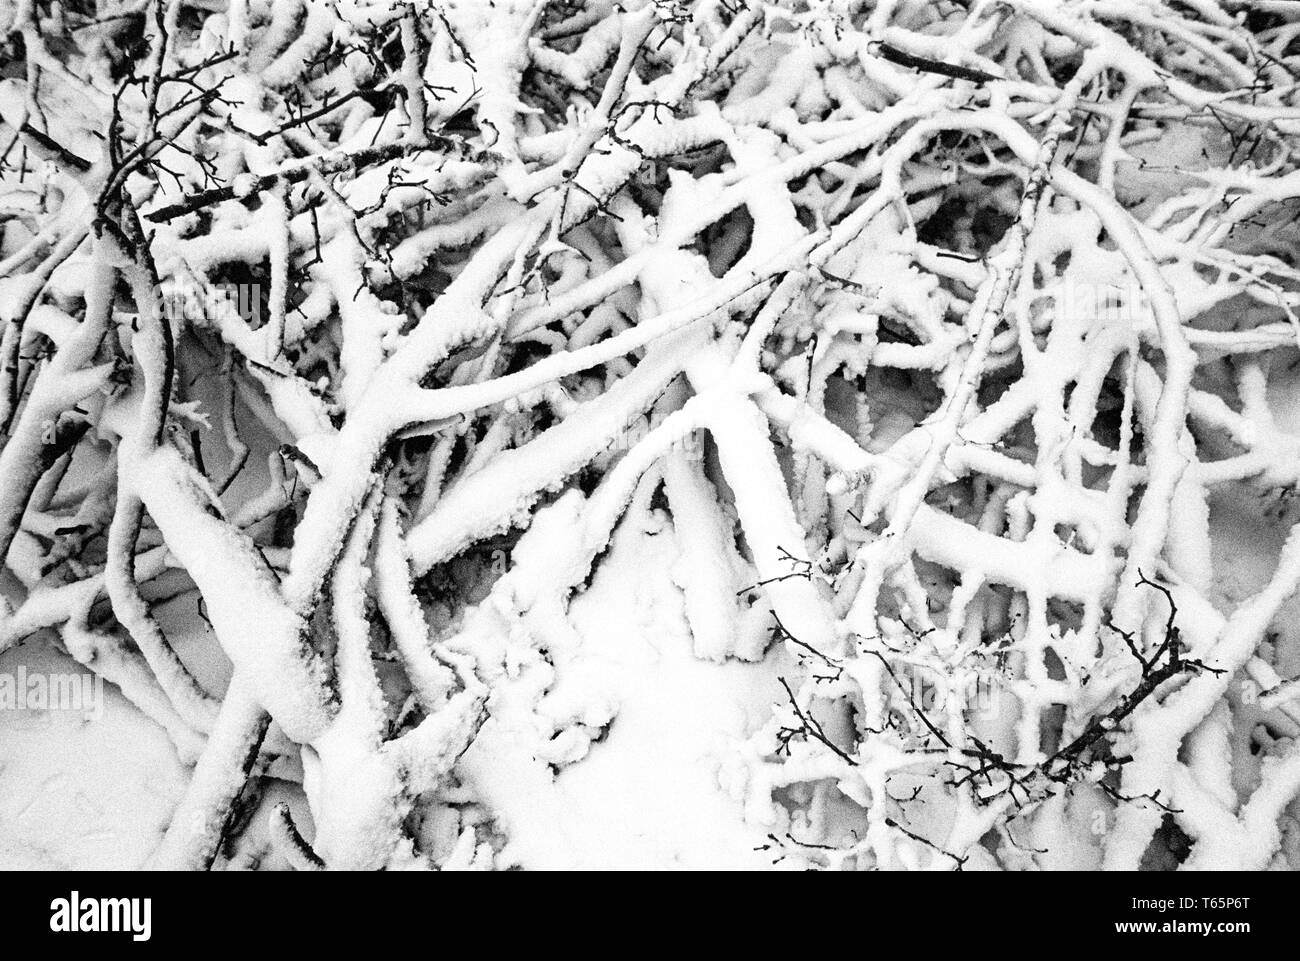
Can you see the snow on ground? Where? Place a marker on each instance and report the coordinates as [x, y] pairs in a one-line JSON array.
[[78, 792], [648, 794]]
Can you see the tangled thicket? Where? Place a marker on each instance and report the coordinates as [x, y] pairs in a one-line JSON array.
[[930, 326]]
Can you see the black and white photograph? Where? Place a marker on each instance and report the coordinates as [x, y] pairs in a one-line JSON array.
[[650, 435]]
